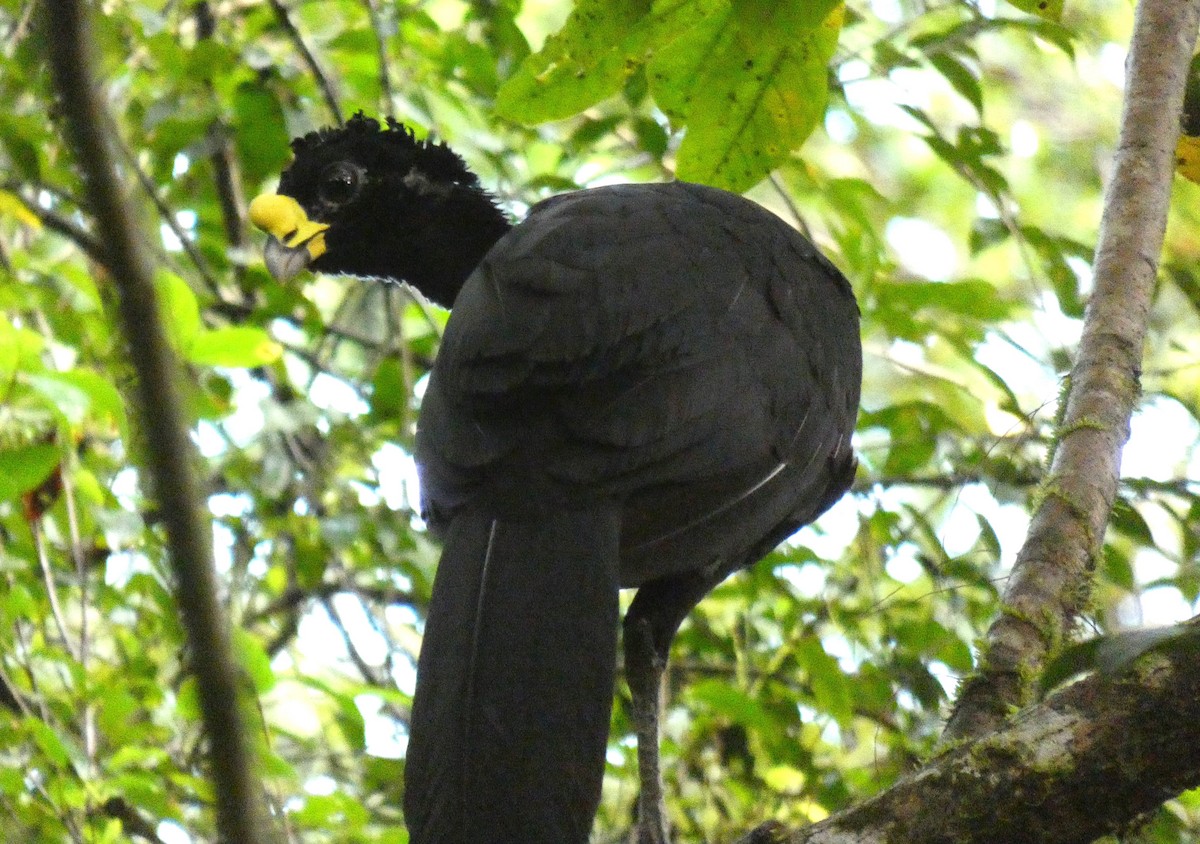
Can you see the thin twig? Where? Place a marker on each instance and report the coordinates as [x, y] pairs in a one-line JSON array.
[[56, 223], [364, 668], [39, 544], [294, 596], [226, 172], [168, 216], [85, 602], [785, 197], [385, 77], [285, 21]]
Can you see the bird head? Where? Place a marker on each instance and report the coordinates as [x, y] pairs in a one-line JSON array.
[[373, 201]]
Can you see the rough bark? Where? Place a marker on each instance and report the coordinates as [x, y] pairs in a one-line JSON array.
[[160, 412], [1087, 761], [1051, 579]]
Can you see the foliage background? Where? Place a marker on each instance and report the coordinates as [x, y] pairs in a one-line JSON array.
[[955, 177]]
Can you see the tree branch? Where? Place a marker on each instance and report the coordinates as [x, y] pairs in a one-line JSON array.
[[381, 50], [227, 177], [56, 223], [169, 451], [1051, 577], [285, 20], [1085, 762], [168, 216]]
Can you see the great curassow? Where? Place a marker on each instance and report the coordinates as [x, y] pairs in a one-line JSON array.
[[641, 386]]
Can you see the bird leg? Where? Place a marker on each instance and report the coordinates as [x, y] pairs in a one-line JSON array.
[[650, 625], [644, 667]]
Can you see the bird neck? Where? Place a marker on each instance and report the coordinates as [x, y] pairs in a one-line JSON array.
[[450, 244]]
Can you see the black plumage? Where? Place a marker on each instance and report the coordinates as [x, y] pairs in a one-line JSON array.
[[639, 386]]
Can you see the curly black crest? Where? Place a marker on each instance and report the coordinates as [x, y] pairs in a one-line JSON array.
[[362, 133]]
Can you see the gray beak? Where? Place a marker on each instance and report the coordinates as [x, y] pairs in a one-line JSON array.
[[285, 262]]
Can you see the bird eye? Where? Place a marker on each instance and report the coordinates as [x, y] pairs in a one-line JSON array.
[[339, 183]]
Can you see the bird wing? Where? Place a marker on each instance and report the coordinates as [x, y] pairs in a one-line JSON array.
[[672, 342]]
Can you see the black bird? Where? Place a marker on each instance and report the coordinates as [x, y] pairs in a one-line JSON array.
[[641, 386]]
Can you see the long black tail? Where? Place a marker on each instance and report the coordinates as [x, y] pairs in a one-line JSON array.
[[515, 681]]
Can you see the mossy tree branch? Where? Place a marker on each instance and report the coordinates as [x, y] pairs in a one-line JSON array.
[[1087, 761], [1051, 578]]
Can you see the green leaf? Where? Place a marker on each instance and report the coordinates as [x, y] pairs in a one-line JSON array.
[[25, 468], [56, 748], [748, 100], [13, 207], [1054, 252], [181, 311], [187, 701], [12, 782], [106, 402], [81, 394], [208, 59], [1050, 10], [67, 399], [733, 703], [351, 722], [1117, 568], [19, 603], [830, 687], [1127, 519], [253, 658], [118, 716], [233, 346], [389, 392], [582, 64], [973, 298], [651, 136], [987, 232], [913, 428], [784, 778], [331, 811], [960, 77], [778, 21], [21, 139], [262, 135], [20, 349]]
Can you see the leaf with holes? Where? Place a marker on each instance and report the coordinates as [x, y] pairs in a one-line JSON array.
[[748, 100]]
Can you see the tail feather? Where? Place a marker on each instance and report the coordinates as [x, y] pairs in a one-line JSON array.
[[515, 681]]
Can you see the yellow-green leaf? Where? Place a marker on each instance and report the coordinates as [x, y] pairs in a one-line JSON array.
[[67, 399], [254, 660], [180, 310], [733, 703], [24, 468], [20, 349], [12, 206], [56, 748], [187, 702], [235, 346], [86, 393], [579, 66], [748, 99], [1050, 10]]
